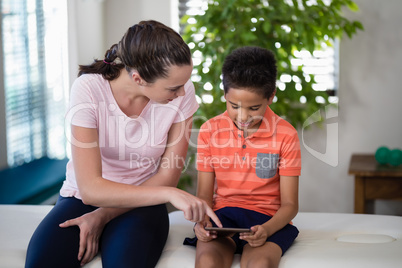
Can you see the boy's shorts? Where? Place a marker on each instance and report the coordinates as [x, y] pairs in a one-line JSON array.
[[243, 218]]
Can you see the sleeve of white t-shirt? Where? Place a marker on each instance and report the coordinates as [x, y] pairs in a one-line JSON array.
[[83, 108], [189, 105]]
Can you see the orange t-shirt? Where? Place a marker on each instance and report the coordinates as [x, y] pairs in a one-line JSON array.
[[247, 170]]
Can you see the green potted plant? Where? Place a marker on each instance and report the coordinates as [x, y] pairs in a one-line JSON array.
[[283, 26]]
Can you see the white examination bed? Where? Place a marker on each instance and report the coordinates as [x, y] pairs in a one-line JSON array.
[[325, 240]]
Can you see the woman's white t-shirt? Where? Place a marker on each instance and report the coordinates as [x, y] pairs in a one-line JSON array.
[[131, 149]]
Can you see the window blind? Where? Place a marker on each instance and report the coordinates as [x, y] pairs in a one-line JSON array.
[[35, 78]]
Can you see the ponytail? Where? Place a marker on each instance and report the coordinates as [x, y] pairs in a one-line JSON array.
[[107, 67], [148, 47]]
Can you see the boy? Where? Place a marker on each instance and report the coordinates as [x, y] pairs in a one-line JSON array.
[[248, 164]]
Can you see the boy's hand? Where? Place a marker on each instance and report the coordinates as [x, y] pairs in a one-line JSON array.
[[257, 237], [202, 234]]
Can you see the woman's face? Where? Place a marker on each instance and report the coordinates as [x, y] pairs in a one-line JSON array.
[[164, 90]]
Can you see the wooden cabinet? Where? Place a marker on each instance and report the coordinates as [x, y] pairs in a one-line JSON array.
[[374, 181]]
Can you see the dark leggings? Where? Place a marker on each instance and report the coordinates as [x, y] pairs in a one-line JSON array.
[[133, 239]]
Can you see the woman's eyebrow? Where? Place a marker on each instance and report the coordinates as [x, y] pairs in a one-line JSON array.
[[175, 87]]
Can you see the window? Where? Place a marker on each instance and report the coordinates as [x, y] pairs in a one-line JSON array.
[[322, 64], [192, 7], [34, 36]]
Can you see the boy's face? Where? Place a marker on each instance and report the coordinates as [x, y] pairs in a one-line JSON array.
[[246, 108]]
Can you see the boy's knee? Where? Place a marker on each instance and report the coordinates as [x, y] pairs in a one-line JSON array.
[[206, 260], [209, 259], [260, 263]]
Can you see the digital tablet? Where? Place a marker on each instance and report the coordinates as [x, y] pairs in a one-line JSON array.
[[227, 231]]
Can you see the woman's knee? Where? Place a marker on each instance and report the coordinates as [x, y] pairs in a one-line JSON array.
[[53, 246], [138, 235]]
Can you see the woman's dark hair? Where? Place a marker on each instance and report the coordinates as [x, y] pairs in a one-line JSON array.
[[148, 47], [251, 68]]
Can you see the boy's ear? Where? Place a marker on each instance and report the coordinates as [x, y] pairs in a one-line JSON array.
[[270, 100]]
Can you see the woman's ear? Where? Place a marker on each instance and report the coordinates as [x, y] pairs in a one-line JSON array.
[[137, 78]]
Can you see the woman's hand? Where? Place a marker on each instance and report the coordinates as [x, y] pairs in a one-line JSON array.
[[194, 208], [257, 237], [91, 227], [202, 234]]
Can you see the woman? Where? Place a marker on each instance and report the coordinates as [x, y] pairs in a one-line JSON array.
[[130, 120]]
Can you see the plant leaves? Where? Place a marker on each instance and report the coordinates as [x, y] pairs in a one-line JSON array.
[[282, 26]]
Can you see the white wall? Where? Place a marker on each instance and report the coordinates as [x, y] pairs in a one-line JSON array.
[[95, 25], [369, 112], [122, 14], [86, 32]]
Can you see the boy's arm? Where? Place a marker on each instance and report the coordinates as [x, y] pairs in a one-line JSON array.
[[205, 191], [289, 191], [205, 186]]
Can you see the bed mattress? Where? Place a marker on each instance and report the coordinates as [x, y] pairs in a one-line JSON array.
[[325, 240]]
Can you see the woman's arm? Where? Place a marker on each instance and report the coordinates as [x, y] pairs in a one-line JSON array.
[[174, 157], [167, 175], [100, 192], [103, 193]]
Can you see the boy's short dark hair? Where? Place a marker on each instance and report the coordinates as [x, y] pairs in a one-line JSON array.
[[253, 68]]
